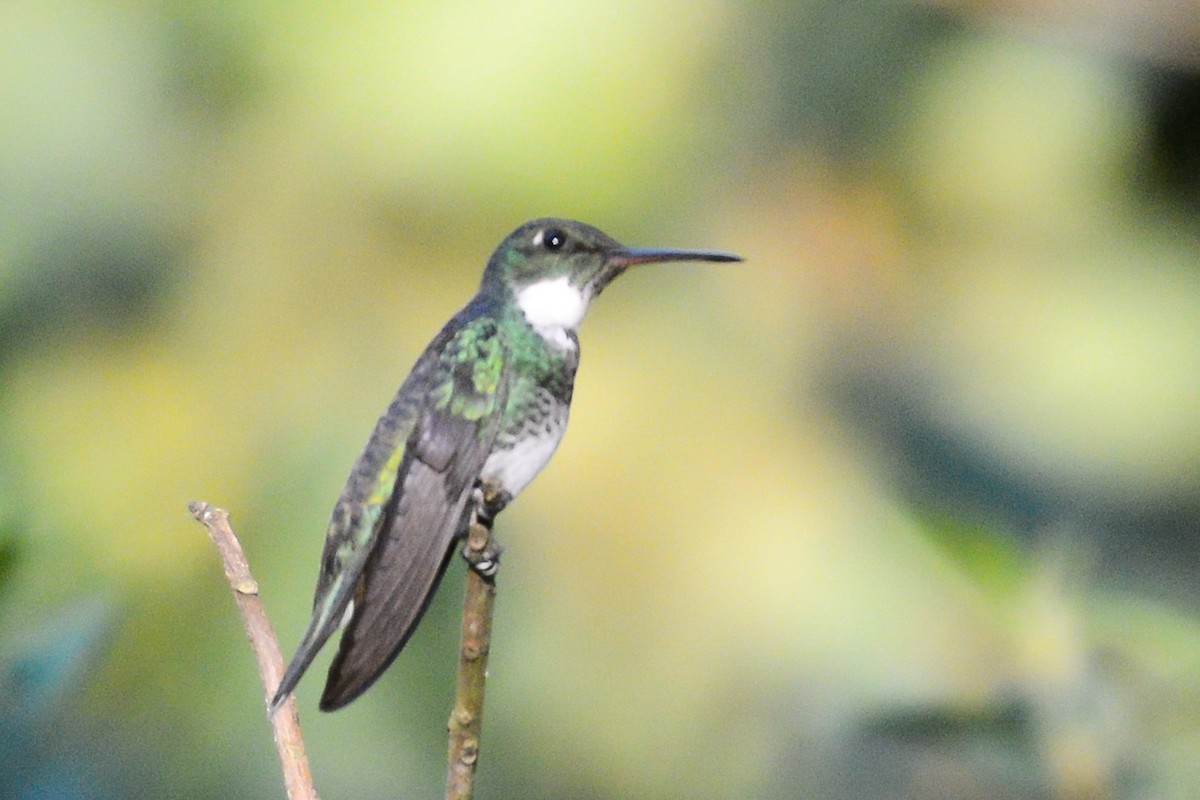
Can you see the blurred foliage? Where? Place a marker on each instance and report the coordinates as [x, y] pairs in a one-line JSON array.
[[903, 507], [36, 682]]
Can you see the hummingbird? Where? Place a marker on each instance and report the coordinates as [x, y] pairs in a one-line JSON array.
[[479, 416]]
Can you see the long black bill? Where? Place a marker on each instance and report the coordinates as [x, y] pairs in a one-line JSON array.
[[629, 256]]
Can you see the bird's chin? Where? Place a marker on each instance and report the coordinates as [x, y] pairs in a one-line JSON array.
[[609, 275]]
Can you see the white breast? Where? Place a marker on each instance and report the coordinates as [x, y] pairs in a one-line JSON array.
[[514, 468]]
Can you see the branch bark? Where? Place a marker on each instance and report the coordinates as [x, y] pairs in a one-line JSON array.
[[285, 723], [466, 720]]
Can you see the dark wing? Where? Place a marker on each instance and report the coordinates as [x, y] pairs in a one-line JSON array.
[[354, 527], [444, 454]]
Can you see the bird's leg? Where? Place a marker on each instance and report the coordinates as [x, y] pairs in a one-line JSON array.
[[490, 501], [482, 551]]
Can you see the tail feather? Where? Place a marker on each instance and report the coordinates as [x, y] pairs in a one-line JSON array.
[[319, 631]]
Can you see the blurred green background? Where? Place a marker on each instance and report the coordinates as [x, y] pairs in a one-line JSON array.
[[906, 506]]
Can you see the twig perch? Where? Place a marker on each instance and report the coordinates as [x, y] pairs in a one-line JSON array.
[[284, 723], [466, 720]]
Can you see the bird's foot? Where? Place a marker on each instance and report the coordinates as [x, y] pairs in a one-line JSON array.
[[482, 551], [489, 502]]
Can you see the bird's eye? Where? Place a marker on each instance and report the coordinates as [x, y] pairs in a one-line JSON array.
[[553, 239]]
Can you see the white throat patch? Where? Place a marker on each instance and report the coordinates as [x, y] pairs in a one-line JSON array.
[[553, 306]]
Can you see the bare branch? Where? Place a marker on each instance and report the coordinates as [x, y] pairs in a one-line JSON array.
[[466, 720], [285, 723]]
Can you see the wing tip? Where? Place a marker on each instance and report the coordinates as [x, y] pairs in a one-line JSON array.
[[339, 696], [347, 681]]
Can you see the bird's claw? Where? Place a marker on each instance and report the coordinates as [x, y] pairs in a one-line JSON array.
[[482, 553]]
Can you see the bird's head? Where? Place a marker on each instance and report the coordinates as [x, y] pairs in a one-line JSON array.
[[553, 268]]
